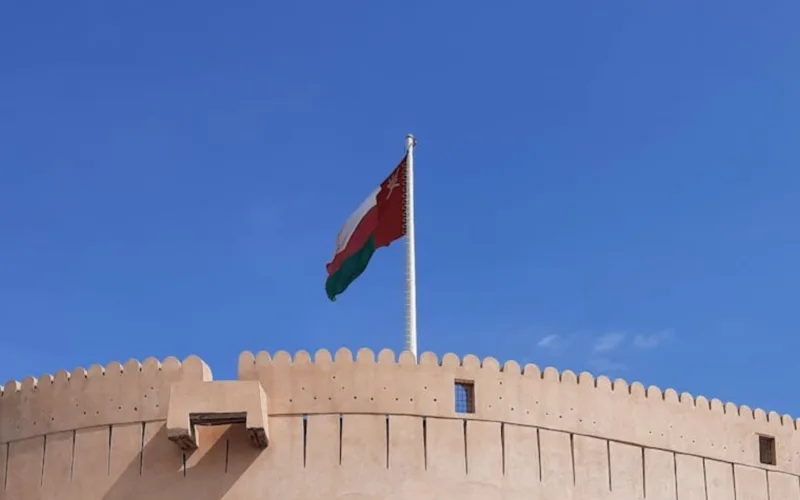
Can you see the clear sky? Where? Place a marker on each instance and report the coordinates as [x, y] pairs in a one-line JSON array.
[[604, 186]]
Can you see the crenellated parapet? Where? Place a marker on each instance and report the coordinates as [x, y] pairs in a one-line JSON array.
[[366, 386], [100, 396], [549, 399]]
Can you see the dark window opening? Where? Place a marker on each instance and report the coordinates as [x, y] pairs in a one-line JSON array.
[[465, 396], [766, 450]]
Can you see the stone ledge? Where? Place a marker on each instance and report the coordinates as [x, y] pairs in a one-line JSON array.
[[193, 403]]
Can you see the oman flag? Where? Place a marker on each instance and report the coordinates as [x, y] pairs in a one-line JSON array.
[[378, 222]]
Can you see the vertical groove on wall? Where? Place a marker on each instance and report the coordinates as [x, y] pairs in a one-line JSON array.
[[539, 451], [5, 471], [733, 475], [72, 457], [608, 464], [644, 477], [425, 441], [503, 446], [675, 473], [44, 454], [572, 457], [141, 452], [183, 465], [305, 440], [110, 431], [228, 454], [766, 476], [705, 478], [466, 455], [341, 428], [387, 441]]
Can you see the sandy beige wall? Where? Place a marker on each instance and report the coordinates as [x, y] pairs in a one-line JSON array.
[[368, 456], [114, 394], [386, 428], [548, 399]]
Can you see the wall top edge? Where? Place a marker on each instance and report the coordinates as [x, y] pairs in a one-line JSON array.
[[192, 366], [250, 363]]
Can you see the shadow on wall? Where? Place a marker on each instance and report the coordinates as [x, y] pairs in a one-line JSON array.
[[163, 470]]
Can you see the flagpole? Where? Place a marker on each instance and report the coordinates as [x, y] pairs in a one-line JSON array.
[[411, 265]]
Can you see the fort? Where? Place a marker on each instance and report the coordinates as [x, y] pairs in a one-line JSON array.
[[381, 427]]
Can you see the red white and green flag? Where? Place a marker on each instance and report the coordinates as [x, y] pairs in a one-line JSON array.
[[379, 221]]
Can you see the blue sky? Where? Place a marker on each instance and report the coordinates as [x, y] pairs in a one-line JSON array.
[[601, 186]]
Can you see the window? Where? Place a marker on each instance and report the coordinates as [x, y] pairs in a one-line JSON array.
[[465, 396], [766, 450]]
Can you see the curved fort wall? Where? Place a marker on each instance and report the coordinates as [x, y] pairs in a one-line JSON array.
[[385, 428]]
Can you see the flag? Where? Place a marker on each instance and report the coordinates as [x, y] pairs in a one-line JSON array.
[[379, 221]]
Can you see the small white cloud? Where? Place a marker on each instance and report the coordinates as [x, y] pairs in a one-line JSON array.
[[605, 365], [653, 340], [547, 341], [608, 342]]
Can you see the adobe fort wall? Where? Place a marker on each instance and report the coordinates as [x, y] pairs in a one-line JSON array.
[[380, 428]]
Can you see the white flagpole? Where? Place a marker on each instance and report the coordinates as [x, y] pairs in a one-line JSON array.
[[411, 265]]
